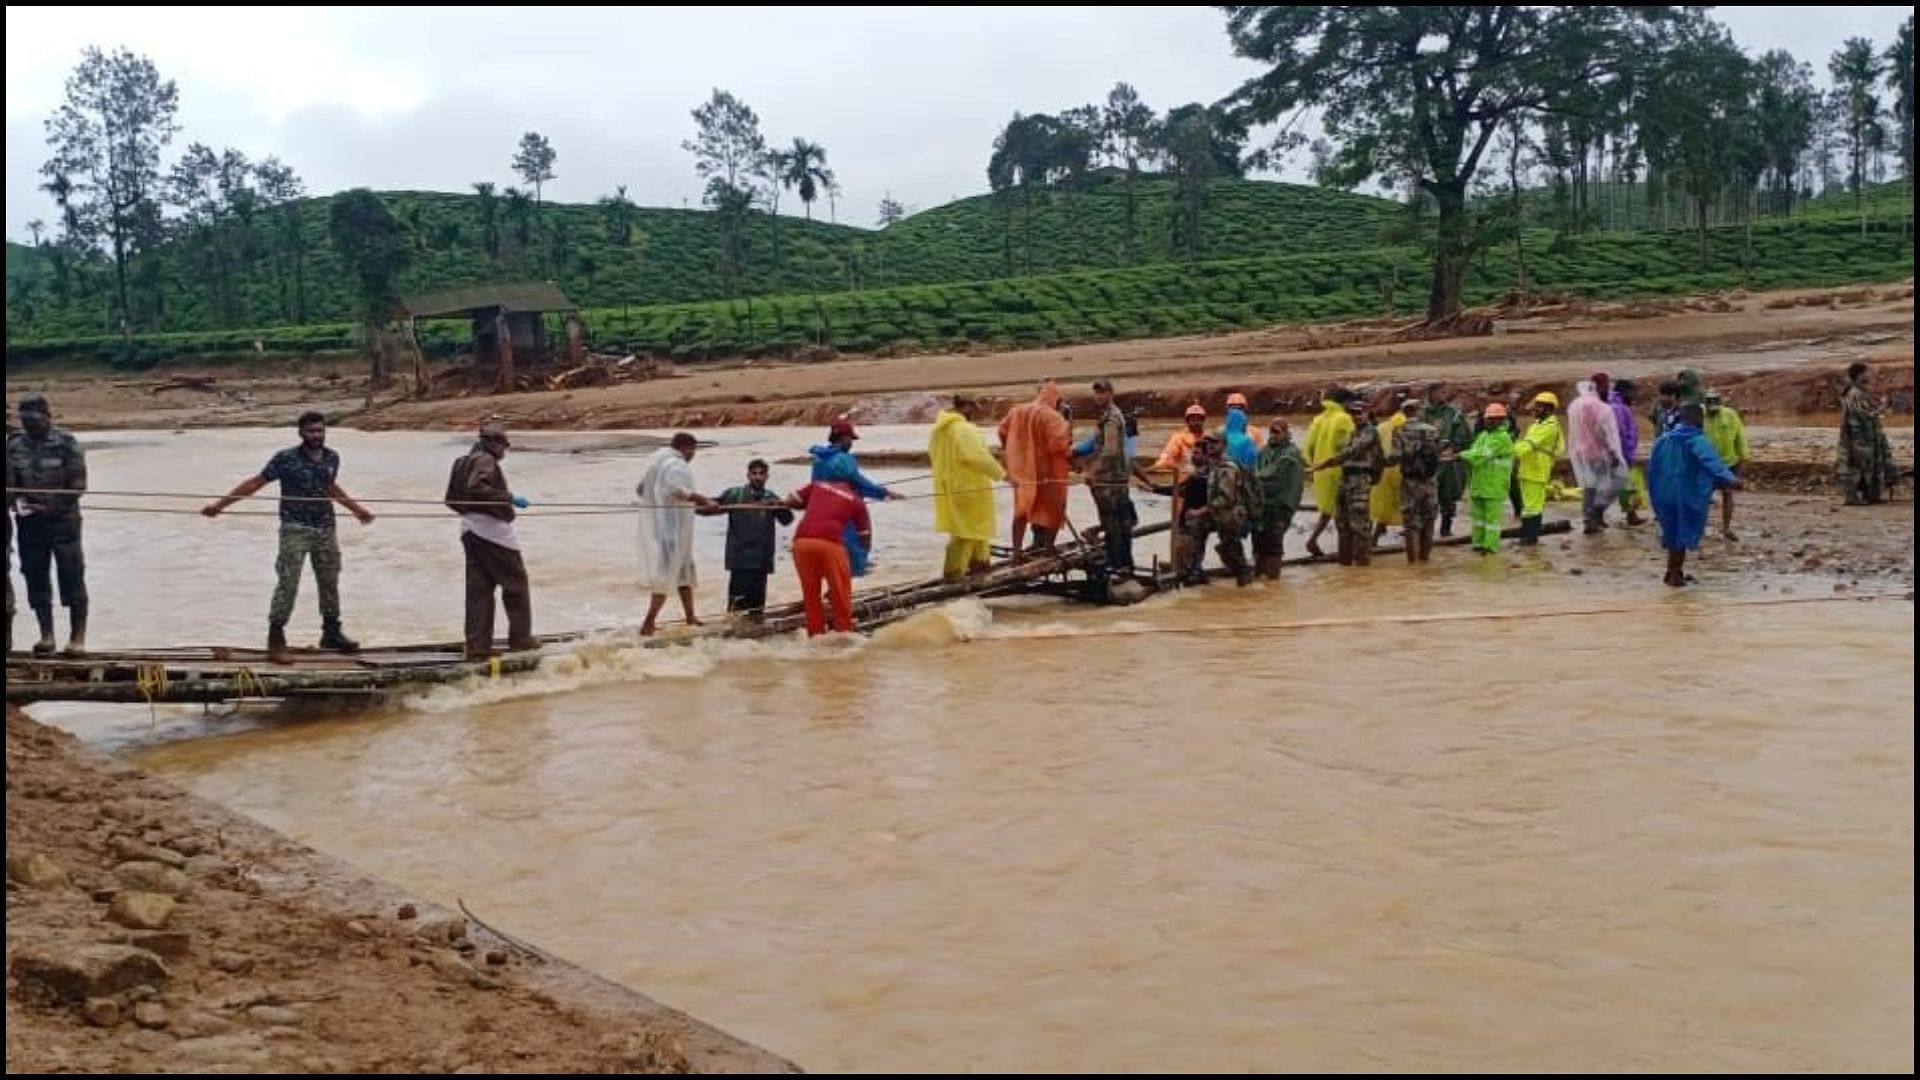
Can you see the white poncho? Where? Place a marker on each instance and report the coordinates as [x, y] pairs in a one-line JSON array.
[[666, 522]]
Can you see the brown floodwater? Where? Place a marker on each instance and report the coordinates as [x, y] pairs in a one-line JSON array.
[[1190, 835]]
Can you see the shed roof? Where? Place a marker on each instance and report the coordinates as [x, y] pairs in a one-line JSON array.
[[516, 296]]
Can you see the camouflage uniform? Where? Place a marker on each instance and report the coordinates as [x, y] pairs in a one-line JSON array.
[[1419, 498], [1360, 462], [1456, 434], [306, 531], [1110, 474], [1227, 498], [50, 534]]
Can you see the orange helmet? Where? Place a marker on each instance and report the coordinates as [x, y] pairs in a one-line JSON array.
[[1496, 411], [1236, 400]]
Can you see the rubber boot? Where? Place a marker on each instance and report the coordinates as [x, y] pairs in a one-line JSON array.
[[45, 646], [335, 639], [77, 625], [276, 638], [1529, 531]]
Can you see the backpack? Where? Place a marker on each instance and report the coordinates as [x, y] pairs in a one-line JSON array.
[[1423, 462]]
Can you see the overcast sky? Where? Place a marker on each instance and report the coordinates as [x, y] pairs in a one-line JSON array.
[[906, 100]]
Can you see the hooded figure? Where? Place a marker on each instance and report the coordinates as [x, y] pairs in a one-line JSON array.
[[964, 473], [1329, 434], [1240, 445], [1037, 439], [1682, 473], [1593, 445], [835, 463]]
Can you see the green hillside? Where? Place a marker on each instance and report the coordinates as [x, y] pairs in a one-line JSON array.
[[266, 274], [1148, 301]]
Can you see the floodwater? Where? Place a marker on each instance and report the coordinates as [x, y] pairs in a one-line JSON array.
[[1184, 836]]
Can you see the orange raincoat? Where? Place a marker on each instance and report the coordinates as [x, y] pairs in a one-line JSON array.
[[1036, 439]]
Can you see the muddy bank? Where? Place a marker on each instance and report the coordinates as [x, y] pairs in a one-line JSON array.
[[149, 931]]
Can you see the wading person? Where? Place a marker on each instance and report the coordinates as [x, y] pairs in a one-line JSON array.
[[1360, 464], [1728, 434], [1281, 474], [1110, 474], [964, 473], [1535, 452], [1456, 434], [1327, 435], [1682, 473], [752, 537], [668, 497], [1037, 438], [1490, 461], [1417, 452], [43, 458], [309, 479], [830, 508], [477, 490]]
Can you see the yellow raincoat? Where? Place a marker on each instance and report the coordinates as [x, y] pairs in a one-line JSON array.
[[1326, 436], [1383, 502], [1728, 434], [964, 472], [1537, 450]]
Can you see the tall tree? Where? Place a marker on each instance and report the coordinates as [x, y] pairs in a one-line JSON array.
[[374, 247], [1023, 159], [280, 189], [1430, 85], [1899, 60], [1696, 120], [807, 172], [1855, 68], [727, 149], [1132, 136], [533, 162], [1784, 108], [1193, 155], [106, 139]]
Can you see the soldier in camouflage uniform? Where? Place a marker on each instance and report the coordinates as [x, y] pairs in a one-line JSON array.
[[1417, 448], [1110, 474], [1230, 504], [309, 486], [41, 457], [1360, 463]]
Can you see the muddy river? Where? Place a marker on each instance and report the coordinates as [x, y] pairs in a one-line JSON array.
[[1190, 835]]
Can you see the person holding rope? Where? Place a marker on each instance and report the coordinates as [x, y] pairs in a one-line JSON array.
[[1110, 475], [308, 475], [41, 456], [477, 490], [668, 497], [752, 538]]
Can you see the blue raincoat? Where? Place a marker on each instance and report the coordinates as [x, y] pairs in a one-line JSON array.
[[1240, 445], [1682, 473], [831, 463]]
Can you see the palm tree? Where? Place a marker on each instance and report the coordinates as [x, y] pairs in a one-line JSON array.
[[806, 171]]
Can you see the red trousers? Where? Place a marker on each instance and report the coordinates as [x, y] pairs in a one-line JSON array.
[[825, 562]]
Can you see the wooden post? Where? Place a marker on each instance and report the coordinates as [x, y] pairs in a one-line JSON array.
[[503, 341]]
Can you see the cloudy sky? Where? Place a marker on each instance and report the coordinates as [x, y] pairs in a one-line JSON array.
[[906, 100]]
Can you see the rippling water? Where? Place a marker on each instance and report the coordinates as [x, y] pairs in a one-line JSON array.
[[1182, 836]]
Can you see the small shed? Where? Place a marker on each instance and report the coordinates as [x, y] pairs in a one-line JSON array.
[[508, 331]]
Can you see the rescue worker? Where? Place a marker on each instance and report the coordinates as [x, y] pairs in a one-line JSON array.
[[477, 490], [1417, 451], [1535, 452], [1360, 463], [42, 458], [1490, 461], [1728, 434], [1281, 475], [309, 479], [1383, 501], [1327, 435], [964, 473], [1110, 474], [1682, 473], [1036, 438], [1456, 434]]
